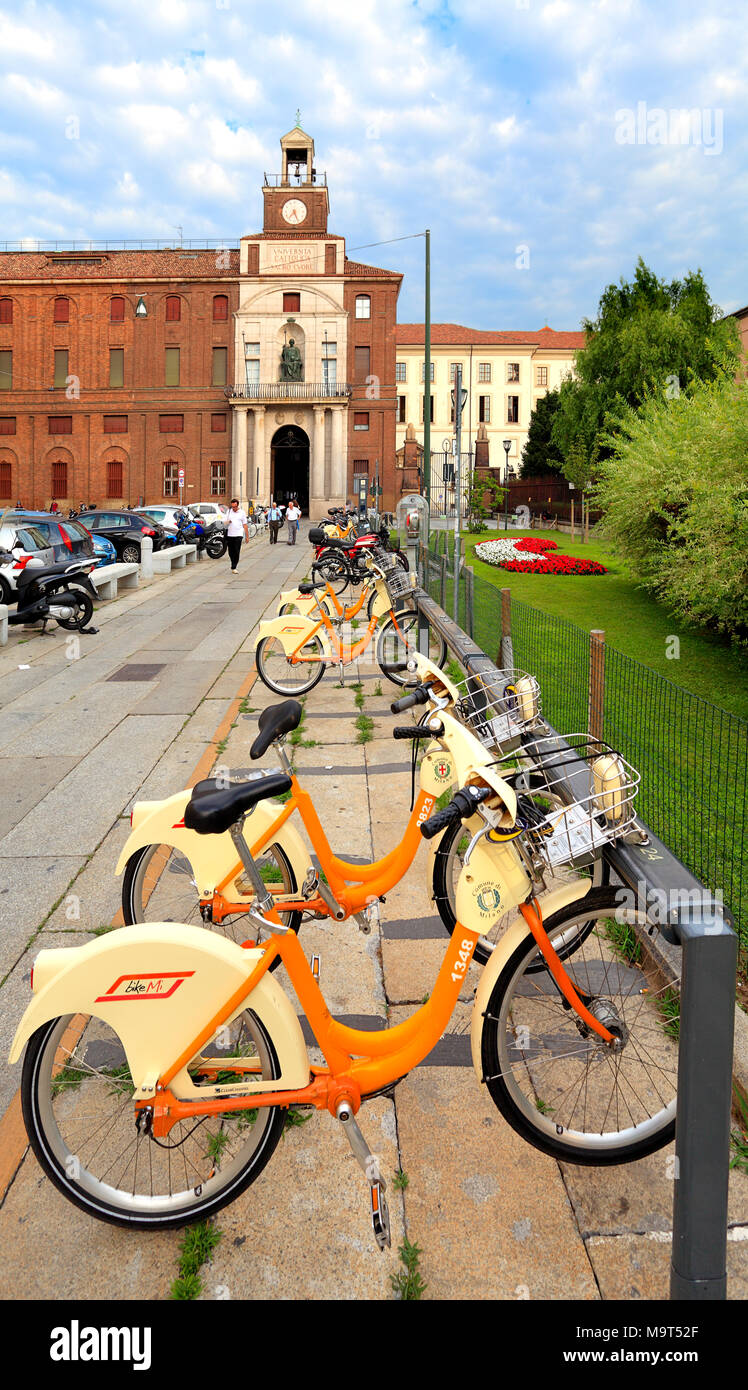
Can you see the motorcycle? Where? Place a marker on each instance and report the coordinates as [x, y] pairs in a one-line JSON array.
[[63, 592], [215, 540]]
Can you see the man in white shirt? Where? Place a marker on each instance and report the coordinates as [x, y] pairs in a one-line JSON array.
[[275, 517], [236, 529], [293, 513]]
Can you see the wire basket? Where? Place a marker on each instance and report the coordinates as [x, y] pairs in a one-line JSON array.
[[499, 708], [574, 801], [400, 583]]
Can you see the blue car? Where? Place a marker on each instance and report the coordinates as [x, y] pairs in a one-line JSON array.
[[104, 551]]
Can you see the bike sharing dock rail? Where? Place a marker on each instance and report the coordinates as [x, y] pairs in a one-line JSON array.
[[688, 914]]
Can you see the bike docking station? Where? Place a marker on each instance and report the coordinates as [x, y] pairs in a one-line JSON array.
[[692, 918]]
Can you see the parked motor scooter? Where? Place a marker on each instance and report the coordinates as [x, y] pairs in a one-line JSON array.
[[215, 540], [63, 592]]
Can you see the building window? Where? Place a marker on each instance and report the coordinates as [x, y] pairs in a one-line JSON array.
[[114, 478], [330, 363], [116, 310], [6, 479], [220, 307], [362, 362], [541, 376], [7, 424], [512, 410], [171, 377], [291, 302], [171, 479], [512, 371], [59, 478], [423, 409], [453, 371], [171, 424], [6, 370], [361, 467], [173, 308], [484, 371], [218, 480], [60, 424], [360, 419], [484, 410], [401, 371], [401, 410], [423, 371], [363, 306], [330, 258], [6, 310], [116, 366], [115, 424], [218, 424], [220, 366], [61, 367], [252, 362], [62, 311]]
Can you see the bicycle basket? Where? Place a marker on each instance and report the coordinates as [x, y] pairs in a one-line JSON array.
[[499, 707], [581, 797], [399, 582]]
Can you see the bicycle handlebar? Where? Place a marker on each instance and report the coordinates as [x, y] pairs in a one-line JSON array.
[[461, 807], [419, 696], [416, 731]]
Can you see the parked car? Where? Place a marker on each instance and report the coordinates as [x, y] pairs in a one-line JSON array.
[[20, 544], [67, 538], [211, 511], [125, 530], [166, 516], [103, 550]]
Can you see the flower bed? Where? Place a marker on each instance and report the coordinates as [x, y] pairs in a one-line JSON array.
[[511, 555]]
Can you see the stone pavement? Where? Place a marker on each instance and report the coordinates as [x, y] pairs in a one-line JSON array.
[[494, 1219]]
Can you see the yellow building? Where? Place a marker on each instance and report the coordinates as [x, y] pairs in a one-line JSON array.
[[503, 373]]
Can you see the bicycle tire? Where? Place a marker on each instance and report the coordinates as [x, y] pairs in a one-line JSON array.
[[296, 682], [227, 1155], [331, 570], [561, 1088], [395, 647]]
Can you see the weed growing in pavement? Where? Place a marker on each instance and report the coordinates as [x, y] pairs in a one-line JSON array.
[[365, 726], [408, 1284], [197, 1245], [294, 1118], [378, 688], [400, 1180], [358, 695]]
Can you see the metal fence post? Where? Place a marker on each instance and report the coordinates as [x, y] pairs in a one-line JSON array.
[[596, 707], [506, 653], [698, 1269], [442, 581], [469, 600]]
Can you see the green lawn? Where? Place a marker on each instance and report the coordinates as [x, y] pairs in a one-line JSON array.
[[632, 621]]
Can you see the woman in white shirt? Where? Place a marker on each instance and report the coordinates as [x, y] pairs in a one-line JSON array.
[[236, 530]]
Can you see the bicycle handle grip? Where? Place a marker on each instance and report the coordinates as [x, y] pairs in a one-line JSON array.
[[415, 731], [419, 696], [439, 821], [461, 807]]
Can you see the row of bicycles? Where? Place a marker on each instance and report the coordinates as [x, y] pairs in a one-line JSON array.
[[162, 1059]]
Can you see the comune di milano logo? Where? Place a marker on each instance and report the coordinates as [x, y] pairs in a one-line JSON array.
[[76, 1343]]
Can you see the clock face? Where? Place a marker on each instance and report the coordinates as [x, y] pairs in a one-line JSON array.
[[293, 211]]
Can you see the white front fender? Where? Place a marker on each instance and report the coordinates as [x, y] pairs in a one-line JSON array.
[[157, 985]]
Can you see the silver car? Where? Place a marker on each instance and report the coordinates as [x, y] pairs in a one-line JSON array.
[[21, 543]]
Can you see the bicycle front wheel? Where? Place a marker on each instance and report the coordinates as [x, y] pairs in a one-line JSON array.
[[77, 1096], [555, 1081], [290, 678], [398, 641]]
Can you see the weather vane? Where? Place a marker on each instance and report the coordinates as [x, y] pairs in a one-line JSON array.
[[298, 117]]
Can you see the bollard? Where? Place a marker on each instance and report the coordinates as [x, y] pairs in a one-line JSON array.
[[146, 557], [3, 624]]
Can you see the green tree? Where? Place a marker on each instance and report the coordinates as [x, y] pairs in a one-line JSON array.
[[541, 455], [648, 336]]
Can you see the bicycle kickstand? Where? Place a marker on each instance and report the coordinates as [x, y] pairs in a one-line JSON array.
[[380, 1216]]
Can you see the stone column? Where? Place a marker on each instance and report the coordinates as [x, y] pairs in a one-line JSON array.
[[260, 463], [339, 456], [239, 487], [317, 464]]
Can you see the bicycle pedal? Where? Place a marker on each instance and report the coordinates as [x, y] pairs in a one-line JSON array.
[[315, 964], [380, 1216]]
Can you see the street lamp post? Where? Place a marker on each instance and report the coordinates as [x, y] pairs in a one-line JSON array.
[[507, 447], [459, 397]]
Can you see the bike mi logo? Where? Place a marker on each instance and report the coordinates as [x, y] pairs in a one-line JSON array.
[[488, 899], [443, 770]]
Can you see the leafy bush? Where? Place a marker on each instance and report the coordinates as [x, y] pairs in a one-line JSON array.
[[674, 493]]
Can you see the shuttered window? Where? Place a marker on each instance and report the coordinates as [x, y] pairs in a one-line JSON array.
[[218, 424], [115, 424], [116, 309], [171, 375], [220, 366], [59, 478], [62, 310], [61, 367], [7, 424], [173, 308], [114, 478], [116, 366], [6, 310], [362, 358], [6, 370], [291, 302], [218, 480], [171, 424], [6, 480], [60, 424], [171, 479], [220, 307]]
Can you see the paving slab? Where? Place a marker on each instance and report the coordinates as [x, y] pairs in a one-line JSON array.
[[25, 781], [631, 1268], [29, 887]]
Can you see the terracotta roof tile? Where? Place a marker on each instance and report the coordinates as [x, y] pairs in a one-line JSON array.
[[456, 335], [357, 270], [116, 265]]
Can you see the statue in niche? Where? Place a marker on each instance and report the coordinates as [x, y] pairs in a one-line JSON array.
[[291, 366]]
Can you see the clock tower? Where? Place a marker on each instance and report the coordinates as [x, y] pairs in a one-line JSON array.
[[298, 201]]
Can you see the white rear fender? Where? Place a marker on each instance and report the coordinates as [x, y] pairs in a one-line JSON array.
[[212, 857], [157, 986], [292, 631], [507, 944]]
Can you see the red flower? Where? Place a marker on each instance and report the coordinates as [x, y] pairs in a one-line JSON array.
[[535, 547], [553, 564]]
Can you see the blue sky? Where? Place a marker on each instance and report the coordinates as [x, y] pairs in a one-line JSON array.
[[534, 137]]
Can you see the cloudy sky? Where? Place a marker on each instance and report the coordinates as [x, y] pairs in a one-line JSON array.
[[540, 140]]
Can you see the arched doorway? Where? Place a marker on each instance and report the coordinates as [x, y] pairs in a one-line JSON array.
[[289, 455]]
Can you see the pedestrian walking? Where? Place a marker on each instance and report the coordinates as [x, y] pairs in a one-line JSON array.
[[275, 517], [293, 513], [235, 531]]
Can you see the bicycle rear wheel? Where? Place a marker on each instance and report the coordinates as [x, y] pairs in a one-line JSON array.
[[283, 676], [399, 640], [556, 1083], [77, 1096]]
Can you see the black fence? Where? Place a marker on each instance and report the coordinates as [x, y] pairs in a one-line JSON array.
[[692, 756]]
